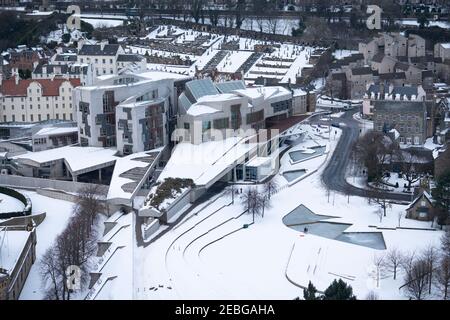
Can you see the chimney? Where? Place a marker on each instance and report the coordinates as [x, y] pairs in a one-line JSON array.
[[16, 78]]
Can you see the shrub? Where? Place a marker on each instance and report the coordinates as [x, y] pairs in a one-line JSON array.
[[169, 189]]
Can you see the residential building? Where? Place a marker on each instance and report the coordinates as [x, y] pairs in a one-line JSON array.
[[35, 100], [383, 91], [421, 208], [409, 118], [102, 57]]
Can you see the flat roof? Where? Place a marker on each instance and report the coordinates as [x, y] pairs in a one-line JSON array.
[[77, 158], [56, 131]]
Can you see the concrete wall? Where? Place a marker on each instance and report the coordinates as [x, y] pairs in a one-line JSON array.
[[38, 183]]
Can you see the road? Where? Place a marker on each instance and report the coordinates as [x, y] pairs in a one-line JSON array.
[[334, 174]]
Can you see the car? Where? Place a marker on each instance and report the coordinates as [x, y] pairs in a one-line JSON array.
[[336, 125]]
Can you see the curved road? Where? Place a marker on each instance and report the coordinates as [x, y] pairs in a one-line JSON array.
[[334, 173]]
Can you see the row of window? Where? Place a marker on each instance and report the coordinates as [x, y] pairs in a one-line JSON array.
[[40, 117], [39, 106], [22, 99], [96, 60], [400, 117]]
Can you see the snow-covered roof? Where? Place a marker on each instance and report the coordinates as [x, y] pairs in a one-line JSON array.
[[395, 132], [425, 194], [264, 92], [206, 161], [217, 97], [56, 131], [258, 161], [199, 109], [77, 158], [12, 242], [129, 172]]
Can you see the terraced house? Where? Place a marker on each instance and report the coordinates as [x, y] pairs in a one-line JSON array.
[[35, 100]]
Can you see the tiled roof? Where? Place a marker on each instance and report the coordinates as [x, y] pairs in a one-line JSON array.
[[49, 87]]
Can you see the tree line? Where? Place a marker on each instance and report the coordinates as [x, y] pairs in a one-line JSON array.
[[65, 265]]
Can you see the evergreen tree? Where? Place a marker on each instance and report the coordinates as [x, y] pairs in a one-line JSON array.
[[310, 292], [441, 195], [339, 290]]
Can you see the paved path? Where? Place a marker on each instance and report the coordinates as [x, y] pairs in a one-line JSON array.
[[334, 173]]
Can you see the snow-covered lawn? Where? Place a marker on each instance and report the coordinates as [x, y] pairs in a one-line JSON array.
[[233, 60], [103, 23], [58, 214], [10, 204], [209, 255]]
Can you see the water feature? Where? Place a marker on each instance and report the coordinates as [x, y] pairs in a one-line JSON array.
[[294, 174], [305, 154], [303, 219]]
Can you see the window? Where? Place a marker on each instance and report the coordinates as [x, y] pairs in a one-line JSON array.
[[187, 126], [206, 125], [13, 117], [255, 116], [31, 118], [23, 118], [221, 123], [104, 60], [423, 203], [39, 117]]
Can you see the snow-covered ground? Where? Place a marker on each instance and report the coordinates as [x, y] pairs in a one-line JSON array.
[[103, 23], [210, 255], [342, 53], [58, 214], [57, 217], [10, 204]]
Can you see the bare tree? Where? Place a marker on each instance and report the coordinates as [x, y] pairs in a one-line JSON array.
[[410, 170], [379, 197], [50, 275], [393, 260], [89, 202], [430, 256], [416, 281], [379, 263], [442, 276], [252, 202], [372, 295], [270, 187], [374, 150], [442, 273], [196, 9]]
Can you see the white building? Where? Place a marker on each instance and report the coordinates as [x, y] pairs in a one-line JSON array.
[[247, 108], [34, 100], [54, 137], [108, 59], [110, 113]]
